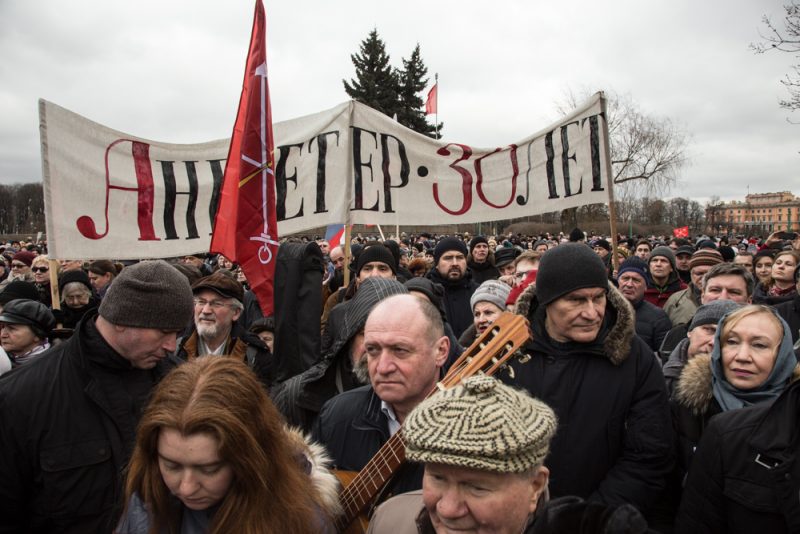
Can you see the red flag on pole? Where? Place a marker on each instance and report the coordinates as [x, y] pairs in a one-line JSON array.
[[683, 231], [245, 227], [430, 104]]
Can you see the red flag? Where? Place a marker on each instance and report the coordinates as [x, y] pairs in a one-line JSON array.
[[430, 104], [245, 227], [683, 231]]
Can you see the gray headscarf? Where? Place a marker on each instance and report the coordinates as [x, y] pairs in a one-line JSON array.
[[730, 397]]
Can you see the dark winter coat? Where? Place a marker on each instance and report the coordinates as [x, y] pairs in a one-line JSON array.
[[674, 366], [790, 312], [614, 438], [483, 271], [652, 324], [68, 423], [456, 300], [744, 477], [353, 428], [761, 296]]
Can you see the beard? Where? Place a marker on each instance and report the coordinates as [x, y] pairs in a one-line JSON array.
[[208, 332]]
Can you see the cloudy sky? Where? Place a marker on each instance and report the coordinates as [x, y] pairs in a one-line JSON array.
[[171, 71]]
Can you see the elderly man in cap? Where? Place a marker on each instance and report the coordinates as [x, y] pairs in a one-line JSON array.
[[664, 280], [652, 324], [24, 327], [680, 306], [450, 270], [504, 260], [69, 417], [481, 260], [217, 306], [484, 446], [614, 444]]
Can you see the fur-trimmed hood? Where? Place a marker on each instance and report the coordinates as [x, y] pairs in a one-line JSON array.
[[617, 343], [695, 390], [317, 463]]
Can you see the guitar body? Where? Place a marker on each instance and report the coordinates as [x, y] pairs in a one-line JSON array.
[[360, 524]]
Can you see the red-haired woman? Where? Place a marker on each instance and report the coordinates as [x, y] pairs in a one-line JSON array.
[[212, 455]]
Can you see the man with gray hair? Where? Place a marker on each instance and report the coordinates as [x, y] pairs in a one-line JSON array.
[[69, 417], [217, 306], [484, 445]]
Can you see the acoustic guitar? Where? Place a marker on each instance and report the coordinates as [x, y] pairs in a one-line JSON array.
[[489, 353]]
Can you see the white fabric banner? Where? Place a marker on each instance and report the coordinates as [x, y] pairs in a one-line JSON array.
[[111, 195]]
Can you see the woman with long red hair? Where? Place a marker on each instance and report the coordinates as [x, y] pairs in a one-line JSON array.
[[212, 455]]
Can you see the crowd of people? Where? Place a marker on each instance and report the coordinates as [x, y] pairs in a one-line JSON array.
[[658, 392]]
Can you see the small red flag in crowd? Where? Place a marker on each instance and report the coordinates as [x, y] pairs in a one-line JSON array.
[[430, 104], [683, 231], [245, 227]]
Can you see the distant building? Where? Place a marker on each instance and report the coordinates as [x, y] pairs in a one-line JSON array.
[[759, 214]]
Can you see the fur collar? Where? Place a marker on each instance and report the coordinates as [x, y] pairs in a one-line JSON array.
[[617, 344], [317, 462], [695, 390]]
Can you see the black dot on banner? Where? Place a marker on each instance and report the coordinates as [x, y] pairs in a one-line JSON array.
[[422, 171]]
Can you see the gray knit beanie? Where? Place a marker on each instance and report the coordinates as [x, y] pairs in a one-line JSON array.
[[665, 252], [151, 294], [480, 424], [712, 312], [568, 267], [492, 291]]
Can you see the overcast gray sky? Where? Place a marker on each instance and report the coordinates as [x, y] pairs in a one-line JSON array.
[[171, 71]]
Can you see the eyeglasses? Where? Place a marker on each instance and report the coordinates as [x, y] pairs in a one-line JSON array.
[[215, 304], [40, 269], [18, 265]]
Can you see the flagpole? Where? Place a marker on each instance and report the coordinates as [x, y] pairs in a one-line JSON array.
[[436, 114], [612, 211]]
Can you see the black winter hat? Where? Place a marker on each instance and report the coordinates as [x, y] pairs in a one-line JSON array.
[[476, 240], [376, 252], [20, 289], [566, 268], [505, 255], [31, 313], [447, 244], [603, 243], [576, 235], [74, 276]]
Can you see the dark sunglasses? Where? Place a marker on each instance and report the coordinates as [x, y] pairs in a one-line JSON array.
[[18, 265], [40, 269]]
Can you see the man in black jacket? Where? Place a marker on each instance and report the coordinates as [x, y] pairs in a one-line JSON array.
[[450, 270], [406, 346], [481, 260], [614, 441], [652, 323], [68, 419]]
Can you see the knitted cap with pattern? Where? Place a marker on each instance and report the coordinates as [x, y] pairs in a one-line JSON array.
[[705, 256], [480, 424]]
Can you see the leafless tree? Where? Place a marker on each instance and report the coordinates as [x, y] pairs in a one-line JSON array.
[[784, 39]]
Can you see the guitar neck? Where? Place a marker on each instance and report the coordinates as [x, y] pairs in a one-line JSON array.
[[366, 485]]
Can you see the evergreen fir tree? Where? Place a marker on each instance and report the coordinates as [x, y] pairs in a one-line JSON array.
[[411, 81], [375, 83]]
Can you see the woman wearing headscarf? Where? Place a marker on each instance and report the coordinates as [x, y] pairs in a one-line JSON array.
[[752, 362]]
